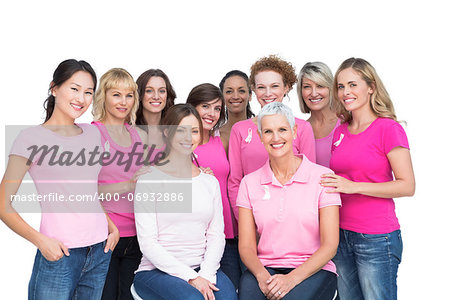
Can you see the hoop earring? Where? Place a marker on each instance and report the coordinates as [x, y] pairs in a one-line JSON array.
[[287, 96]]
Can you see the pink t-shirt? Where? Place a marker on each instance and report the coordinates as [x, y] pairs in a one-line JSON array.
[[287, 217], [212, 155], [69, 174], [120, 207], [323, 147], [247, 153], [363, 158]]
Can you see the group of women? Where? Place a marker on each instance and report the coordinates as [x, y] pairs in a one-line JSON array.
[[281, 208]]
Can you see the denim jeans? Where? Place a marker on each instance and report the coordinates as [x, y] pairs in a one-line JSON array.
[[319, 286], [125, 259], [157, 285], [231, 262], [81, 275], [367, 265]]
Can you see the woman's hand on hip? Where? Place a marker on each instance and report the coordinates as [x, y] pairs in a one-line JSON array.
[[52, 249]]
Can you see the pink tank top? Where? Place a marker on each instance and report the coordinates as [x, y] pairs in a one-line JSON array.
[[120, 206]]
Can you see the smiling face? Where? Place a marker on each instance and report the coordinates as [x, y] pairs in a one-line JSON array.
[[277, 135], [353, 92], [316, 96], [73, 97], [155, 96], [209, 113], [118, 104], [236, 94], [269, 87], [187, 136]]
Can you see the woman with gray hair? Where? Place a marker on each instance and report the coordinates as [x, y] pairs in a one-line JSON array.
[[314, 85], [296, 221]]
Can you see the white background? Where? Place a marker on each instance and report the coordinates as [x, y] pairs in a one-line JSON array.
[[199, 41]]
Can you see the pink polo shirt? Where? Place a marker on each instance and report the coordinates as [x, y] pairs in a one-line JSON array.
[[246, 152], [287, 217]]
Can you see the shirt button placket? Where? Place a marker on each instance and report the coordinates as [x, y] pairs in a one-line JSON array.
[[281, 208]]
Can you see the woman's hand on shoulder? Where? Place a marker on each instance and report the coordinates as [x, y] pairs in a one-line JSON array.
[[204, 286], [52, 249], [143, 170], [207, 170], [279, 285]]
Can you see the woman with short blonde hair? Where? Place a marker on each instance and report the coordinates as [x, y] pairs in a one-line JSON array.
[[115, 78], [114, 111]]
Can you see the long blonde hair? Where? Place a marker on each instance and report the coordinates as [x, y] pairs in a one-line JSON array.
[[380, 102], [115, 78]]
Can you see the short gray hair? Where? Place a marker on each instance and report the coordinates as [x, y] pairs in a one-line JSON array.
[[276, 108]]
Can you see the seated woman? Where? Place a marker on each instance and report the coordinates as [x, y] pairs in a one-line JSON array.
[[181, 245], [296, 221]]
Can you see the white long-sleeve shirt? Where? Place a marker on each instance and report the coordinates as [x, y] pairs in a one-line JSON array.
[[178, 242]]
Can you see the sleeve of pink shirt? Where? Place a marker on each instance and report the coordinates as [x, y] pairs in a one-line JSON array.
[[215, 241], [236, 171], [394, 136], [329, 199], [20, 145], [305, 139], [242, 198], [147, 234]]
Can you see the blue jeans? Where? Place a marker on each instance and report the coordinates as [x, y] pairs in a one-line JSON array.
[[319, 286], [367, 265], [125, 260], [81, 275], [157, 285], [231, 262]]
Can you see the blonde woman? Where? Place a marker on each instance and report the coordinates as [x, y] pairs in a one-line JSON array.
[[372, 162], [314, 86], [114, 110]]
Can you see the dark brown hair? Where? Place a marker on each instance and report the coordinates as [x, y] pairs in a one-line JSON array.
[[64, 72], [142, 83], [173, 117], [206, 92], [245, 77]]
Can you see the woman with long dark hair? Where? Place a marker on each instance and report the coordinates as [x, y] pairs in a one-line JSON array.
[[237, 94], [76, 237], [209, 103]]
